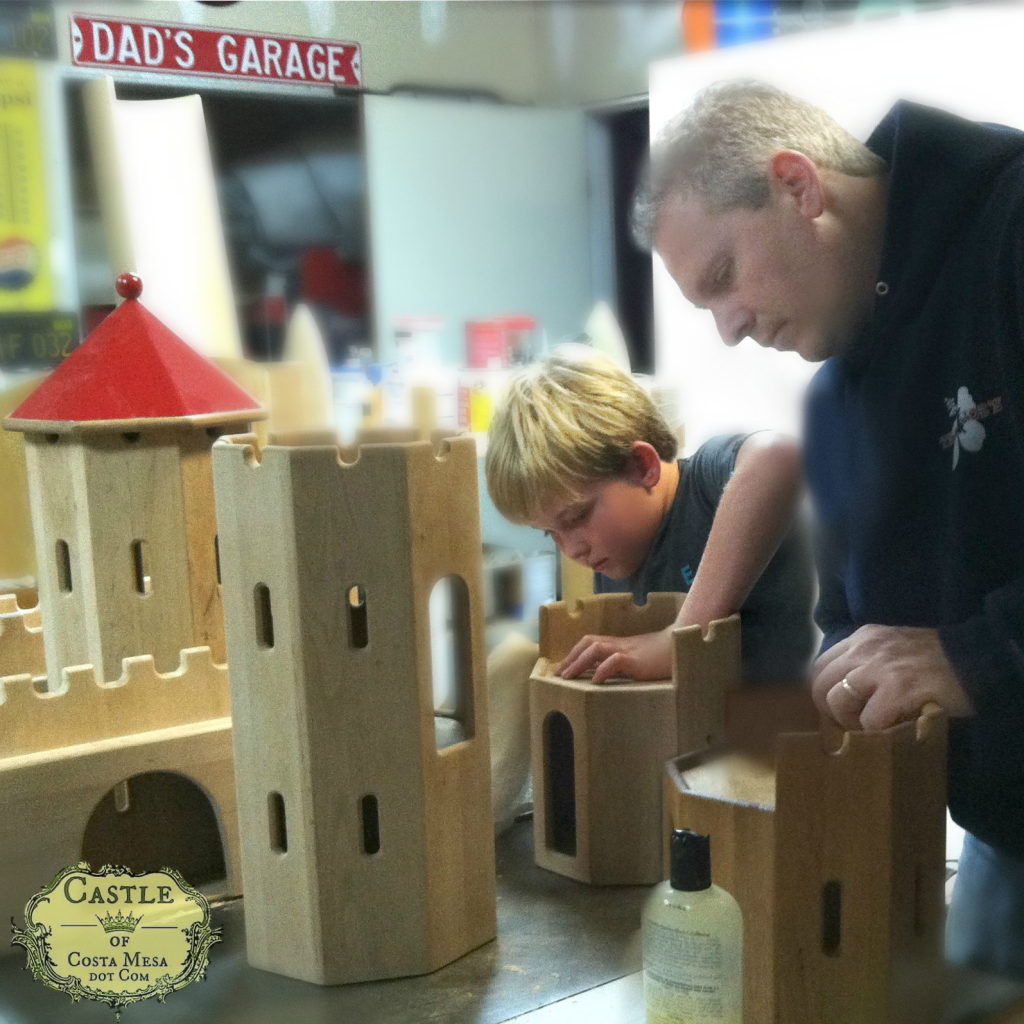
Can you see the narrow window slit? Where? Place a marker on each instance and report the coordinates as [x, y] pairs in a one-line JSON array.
[[264, 616], [358, 621], [64, 566], [371, 824], [278, 823], [140, 558], [831, 918]]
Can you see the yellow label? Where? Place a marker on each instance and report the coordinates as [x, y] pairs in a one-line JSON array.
[[26, 282], [115, 937]]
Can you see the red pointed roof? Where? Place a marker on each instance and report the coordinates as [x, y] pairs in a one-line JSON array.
[[132, 367]]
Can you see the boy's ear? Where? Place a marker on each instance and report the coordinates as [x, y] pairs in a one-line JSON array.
[[644, 466]]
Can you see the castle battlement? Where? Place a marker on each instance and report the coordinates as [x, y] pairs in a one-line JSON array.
[[87, 709], [392, 449], [21, 639]]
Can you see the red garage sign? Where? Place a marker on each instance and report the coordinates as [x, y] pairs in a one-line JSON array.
[[100, 42]]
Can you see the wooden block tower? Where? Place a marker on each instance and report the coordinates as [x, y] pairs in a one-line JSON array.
[[599, 751], [117, 443], [367, 851], [837, 859]]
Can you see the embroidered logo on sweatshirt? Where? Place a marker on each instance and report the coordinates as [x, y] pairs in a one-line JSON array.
[[967, 431], [688, 575]]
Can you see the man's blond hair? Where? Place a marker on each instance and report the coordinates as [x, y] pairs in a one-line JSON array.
[[563, 423], [718, 149]]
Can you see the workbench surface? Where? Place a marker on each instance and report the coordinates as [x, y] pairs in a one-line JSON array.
[[566, 953]]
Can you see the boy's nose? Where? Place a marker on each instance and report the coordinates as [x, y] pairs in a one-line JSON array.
[[576, 548]]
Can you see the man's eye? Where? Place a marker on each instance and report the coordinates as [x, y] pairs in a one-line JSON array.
[[724, 276]]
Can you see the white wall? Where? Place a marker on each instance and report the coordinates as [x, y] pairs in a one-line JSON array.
[[476, 211], [965, 59]]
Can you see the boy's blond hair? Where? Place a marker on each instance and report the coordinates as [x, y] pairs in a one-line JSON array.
[[563, 423]]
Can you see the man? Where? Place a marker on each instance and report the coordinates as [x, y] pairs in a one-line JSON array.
[[900, 263]]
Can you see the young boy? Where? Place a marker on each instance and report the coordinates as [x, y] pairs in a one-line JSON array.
[[578, 449]]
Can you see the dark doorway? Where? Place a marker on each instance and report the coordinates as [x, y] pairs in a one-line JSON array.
[[156, 820]]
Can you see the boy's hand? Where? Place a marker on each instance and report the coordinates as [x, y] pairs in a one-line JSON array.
[[648, 656]]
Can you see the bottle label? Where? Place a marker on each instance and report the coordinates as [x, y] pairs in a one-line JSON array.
[[688, 978]]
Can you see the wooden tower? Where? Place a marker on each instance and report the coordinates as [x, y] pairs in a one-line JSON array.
[[117, 443], [599, 751], [835, 852], [367, 851]]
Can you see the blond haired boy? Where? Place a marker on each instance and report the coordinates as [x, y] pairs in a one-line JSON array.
[[578, 449]]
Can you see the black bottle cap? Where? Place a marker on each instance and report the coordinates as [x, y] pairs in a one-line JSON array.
[[691, 860]]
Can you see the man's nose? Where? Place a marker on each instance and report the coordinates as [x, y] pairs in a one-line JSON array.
[[733, 324]]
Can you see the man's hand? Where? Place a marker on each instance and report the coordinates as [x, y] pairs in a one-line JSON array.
[[881, 675], [648, 656]]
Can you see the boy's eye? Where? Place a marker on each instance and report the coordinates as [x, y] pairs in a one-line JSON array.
[[579, 516]]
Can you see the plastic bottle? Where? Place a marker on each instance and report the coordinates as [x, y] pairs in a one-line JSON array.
[[692, 942]]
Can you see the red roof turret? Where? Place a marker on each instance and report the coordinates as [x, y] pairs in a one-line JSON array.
[[133, 368]]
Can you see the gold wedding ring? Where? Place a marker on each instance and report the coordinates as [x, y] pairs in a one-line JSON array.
[[847, 688]]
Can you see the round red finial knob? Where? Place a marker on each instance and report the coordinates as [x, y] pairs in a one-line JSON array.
[[129, 285]]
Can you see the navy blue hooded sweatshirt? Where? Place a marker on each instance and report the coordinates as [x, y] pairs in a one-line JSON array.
[[915, 443]]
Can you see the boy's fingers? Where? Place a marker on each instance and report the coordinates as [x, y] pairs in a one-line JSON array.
[[608, 667], [596, 650], [573, 656], [590, 651]]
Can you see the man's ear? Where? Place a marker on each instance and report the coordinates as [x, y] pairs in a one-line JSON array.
[[798, 176], [644, 466]]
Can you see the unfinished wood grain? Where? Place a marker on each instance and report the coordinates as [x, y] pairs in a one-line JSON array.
[[869, 817], [872, 818], [205, 594], [563, 624], [49, 797], [735, 778], [324, 723], [101, 494], [705, 669], [21, 639], [89, 710], [622, 734]]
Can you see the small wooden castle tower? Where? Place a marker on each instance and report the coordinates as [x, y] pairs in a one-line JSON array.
[[118, 445], [367, 844], [834, 848], [599, 751]]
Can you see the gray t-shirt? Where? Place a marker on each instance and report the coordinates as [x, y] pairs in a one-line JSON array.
[[777, 630]]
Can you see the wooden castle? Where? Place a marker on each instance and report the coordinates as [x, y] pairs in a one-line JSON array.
[[114, 688], [352, 812]]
